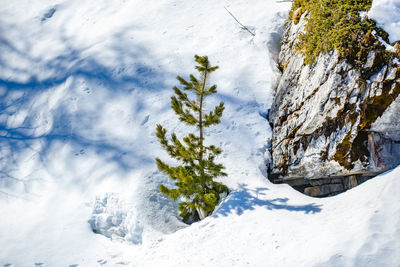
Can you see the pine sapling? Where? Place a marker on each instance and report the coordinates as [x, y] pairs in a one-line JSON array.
[[194, 178]]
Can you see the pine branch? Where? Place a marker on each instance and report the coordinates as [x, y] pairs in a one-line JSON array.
[[214, 116], [184, 115], [187, 85], [211, 90], [194, 177]]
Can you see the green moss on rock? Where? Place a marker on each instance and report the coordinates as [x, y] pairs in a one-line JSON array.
[[336, 24], [343, 150], [374, 107]]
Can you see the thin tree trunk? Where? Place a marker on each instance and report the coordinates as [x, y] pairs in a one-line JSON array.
[[201, 213], [201, 127]]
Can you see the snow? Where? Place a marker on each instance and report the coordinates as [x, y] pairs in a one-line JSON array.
[[273, 226], [388, 47], [83, 84], [387, 15]]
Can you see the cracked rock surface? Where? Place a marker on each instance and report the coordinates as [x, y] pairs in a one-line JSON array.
[[334, 125]]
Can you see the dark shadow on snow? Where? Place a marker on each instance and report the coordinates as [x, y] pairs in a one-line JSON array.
[[244, 199]]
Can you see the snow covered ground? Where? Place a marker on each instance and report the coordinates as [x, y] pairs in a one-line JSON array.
[[82, 86]]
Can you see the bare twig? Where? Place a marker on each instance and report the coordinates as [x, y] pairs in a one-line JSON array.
[[243, 27]]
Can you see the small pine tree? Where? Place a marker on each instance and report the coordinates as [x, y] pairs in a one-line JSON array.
[[194, 179]]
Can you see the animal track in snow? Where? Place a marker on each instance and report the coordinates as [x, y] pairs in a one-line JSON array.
[[81, 152], [87, 90]]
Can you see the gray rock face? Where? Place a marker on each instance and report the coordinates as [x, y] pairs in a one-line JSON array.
[[332, 120]]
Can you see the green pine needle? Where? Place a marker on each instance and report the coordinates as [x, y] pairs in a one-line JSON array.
[[194, 178]]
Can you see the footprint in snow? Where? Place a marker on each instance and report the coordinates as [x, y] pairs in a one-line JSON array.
[[74, 265], [102, 262], [48, 14], [39, 264], [146, 119], [143, 70], [8, 265], [122, 263]]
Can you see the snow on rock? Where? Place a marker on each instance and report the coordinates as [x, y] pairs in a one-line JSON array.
[[321, 116], [387, 14]]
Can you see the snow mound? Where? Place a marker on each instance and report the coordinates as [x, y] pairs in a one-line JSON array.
[[115, 219], [273, 226]]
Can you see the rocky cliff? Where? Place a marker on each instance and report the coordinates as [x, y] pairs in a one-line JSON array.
[[335, 123]]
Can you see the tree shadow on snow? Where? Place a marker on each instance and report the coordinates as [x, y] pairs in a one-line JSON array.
[[68, 122], [245, 199]]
